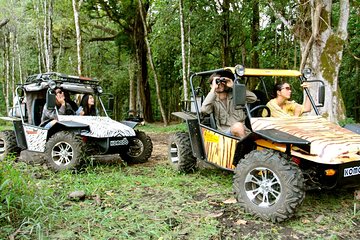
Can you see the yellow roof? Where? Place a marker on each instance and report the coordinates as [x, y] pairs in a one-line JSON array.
[[268, 72]]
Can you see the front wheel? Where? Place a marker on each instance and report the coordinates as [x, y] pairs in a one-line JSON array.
[[64, 151], [139, 149], [268, 186], [8, 144], [180, 153]]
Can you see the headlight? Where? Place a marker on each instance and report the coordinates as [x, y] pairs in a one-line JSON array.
[[239, 70], [99, 89], [52, 85], [307, 73]]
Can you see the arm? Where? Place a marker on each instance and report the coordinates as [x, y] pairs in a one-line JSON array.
[[250, 97], [47, 114], [306, 106], [207, 105]]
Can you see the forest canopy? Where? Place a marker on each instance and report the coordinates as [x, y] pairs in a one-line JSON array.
[[144, 51]]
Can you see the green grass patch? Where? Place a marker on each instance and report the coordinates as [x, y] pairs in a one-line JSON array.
[[160, 128], [151, 201]]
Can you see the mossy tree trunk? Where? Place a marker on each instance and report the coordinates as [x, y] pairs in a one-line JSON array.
[[322, 45]]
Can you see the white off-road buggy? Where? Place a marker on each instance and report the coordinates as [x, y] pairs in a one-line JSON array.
[[72, 138]]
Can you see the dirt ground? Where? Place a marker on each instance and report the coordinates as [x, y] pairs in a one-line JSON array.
[[252, 229], [160, 146]]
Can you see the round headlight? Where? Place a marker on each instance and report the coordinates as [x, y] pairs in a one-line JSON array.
[[99, 89], [239, 70], [307, 73], [52, 84]]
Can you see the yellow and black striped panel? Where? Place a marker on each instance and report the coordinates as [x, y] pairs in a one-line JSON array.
[[219, 149]]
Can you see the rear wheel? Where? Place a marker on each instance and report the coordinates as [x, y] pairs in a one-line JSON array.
[[268, 185], [139, 149], [8, 144], [64, 151], [180, 153]]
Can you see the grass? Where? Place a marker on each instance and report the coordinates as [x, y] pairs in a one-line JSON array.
[[160, 128], [152, 201]]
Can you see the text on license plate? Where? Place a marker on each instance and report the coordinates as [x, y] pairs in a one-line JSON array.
[[352, 171]]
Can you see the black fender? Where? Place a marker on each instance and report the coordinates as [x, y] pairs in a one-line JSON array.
[[277, 136]]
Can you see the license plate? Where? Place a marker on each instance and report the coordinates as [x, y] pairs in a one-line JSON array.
[[119, 142], [352, 171]]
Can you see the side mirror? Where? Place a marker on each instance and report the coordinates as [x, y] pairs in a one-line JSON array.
[[50, 100], [239, 95], [321, 92], [321, 95]]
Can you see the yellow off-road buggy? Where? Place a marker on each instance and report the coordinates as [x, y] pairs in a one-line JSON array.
[[281, 158]]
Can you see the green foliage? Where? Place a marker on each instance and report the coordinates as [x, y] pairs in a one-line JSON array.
[[346, 121], [113, 62], [16, 194]]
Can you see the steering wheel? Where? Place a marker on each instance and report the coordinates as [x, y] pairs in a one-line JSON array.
[[258, 111]]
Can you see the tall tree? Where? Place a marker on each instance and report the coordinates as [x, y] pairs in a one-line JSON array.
[[48, 34], [225, 33], [76, 5], [152, 65], [322, 47], [126, 14], [183, 51]]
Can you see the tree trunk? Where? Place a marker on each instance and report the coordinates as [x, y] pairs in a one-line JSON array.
[[225, 33], [18, 53], [59, 52], [7, 70], [76, 7], [326, 54], [322, 50], [13, 54], [255, 26], [132, 91], [183, 51], [4, 22], [48, 13], [143, 83], [152, 64]]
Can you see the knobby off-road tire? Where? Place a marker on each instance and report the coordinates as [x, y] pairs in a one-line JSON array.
[[268, 185], [180, 153], [8, 144], [64, 151], [139, 149]]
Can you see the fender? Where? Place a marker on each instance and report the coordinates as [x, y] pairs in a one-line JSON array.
[[277, 136]]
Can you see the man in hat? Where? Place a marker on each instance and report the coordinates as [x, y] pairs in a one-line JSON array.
[[219, 101]]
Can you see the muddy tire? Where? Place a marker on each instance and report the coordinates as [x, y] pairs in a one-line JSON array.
[[268, 185], [64, 151], [180, 153], [139, 149], [8, 144]]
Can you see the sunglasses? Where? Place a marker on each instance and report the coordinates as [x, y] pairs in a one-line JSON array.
[[58, 92], [287, 88]]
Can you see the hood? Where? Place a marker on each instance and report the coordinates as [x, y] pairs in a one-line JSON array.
[[330, 143], [100, 127]]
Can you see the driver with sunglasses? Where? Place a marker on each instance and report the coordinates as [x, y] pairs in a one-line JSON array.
[[281, 106], [48, 117]]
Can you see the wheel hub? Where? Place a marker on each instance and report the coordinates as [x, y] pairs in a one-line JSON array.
[[62, 153], [262, 187], [265, 186]]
